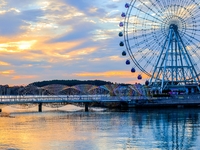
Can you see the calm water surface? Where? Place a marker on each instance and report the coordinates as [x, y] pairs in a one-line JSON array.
[[108, 130]]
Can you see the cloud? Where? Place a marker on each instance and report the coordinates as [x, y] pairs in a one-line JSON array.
[[112, 75], [89, 8], [62, 39], [7, 72], [31, 15], [4, 63], [80, 30], [24, 77], [25, 4], [11, 24]]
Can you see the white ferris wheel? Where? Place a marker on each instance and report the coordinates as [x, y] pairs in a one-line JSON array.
[[162, 40]]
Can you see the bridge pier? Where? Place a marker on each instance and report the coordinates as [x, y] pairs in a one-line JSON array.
[[39, 107], [86, 107]]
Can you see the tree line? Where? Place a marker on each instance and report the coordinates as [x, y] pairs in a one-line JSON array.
[[70, 82]]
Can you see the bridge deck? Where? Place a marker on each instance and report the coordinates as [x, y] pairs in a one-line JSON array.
[[130, 100]]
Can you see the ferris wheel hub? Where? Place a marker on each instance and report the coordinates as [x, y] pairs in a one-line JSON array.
[[174, 27]]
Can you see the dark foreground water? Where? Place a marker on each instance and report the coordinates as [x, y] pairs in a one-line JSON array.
[[109, 130]]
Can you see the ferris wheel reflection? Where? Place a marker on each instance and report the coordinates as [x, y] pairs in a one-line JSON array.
[[165, 129]]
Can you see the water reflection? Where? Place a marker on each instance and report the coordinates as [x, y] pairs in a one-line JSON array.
[[170, 128], [131, 129]]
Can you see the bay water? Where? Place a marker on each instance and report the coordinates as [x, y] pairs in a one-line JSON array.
[[100, 129]]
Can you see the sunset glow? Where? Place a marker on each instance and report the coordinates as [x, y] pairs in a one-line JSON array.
[[47, 40]]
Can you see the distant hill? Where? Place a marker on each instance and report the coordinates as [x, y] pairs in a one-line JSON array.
[[70, 82]]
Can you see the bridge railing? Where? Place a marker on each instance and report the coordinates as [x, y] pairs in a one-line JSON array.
[[46, 98]]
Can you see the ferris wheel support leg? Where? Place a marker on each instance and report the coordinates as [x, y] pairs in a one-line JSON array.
[[176, 59], [193, 70], [158, 60], [187, 58], [167, 53], [172, 62], [181, 59]]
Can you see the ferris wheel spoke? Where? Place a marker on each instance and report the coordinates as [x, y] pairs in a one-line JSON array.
[[138, 53], [152, 50], [146, 19], [150, 8], [142, 35], [193, 32], [196, 22], [143, 24], [141, 30], [153, 58], [192, 37], [151, 40], [136, 63], [196, 9], [150, 45], [140, 43], [147, 46], [156, 6], [171, 7], [191, 43], [153, 17], [190, 19], [163, 3], [192, 55], [193, 29], [180, 8], [183, 9], [163, 8]]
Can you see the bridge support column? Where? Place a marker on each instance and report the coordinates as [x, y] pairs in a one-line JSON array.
[[86, 107], [40, 107]]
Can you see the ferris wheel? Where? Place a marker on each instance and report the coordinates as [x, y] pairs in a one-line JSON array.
[[162, 40]]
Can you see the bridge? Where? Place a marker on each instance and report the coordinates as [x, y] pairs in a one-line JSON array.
[[63, 99], [80, 94]]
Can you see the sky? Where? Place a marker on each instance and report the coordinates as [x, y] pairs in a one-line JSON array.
[[61, 39]]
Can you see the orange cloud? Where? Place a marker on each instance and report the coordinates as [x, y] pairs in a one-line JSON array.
[[16, 46], [4, 63], [115, 58], [17, 77], [116, 73], [7, 72]]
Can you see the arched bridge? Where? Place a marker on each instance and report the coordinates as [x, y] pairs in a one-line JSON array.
[[79, 94]]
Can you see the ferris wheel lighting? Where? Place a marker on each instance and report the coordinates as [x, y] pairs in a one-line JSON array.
[[121, 24]]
